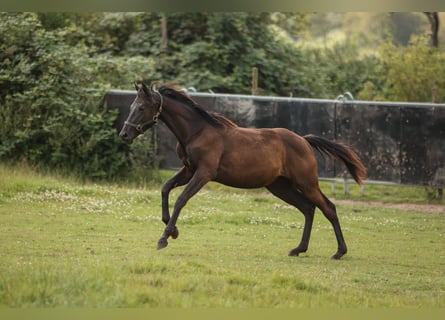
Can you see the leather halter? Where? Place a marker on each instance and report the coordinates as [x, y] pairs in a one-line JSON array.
[[140, 126]]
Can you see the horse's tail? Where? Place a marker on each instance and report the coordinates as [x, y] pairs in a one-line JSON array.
[[340, 151]]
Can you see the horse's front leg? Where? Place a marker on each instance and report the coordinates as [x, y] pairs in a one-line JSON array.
[[179, 179], [196, 183]]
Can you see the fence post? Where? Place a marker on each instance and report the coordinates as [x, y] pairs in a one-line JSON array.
[[433, 100], [345, 186], [254, 81]]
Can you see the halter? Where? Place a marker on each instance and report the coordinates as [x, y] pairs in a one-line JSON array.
[[139, 126]]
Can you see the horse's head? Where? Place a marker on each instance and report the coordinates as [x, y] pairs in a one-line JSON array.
[[144, 112]]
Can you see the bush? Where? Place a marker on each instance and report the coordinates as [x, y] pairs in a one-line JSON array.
[[410, 73], [48, 116], [414, 71]]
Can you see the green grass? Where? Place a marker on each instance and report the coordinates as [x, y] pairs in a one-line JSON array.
[[63, 243]]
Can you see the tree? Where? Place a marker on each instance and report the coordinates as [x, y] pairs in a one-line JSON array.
[[411, 73], [433, 18], [218, 50]]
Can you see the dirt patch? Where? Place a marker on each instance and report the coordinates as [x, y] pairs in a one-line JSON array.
[[427, 208]]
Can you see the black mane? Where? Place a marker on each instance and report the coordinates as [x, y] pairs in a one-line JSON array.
[[185, 99]]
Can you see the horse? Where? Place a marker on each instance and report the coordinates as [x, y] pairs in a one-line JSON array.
[[213, 148]]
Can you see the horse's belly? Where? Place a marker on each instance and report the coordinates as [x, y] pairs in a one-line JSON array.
[[246, 183], [247, 175]]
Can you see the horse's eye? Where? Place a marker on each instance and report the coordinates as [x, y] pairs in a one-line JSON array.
[[141, 108]]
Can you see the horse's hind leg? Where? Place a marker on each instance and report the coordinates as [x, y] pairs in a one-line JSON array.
[[331, 215], [283, 189], [330, 212]]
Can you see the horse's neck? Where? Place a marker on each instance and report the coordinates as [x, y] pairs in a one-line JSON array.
[[182, 121]]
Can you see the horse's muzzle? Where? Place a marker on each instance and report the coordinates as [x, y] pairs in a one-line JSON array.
[[125, 137]]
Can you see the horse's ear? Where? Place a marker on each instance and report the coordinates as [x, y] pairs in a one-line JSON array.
[[136, 86], [146, 89]]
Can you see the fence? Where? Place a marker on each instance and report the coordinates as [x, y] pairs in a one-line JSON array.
[[402, 143]]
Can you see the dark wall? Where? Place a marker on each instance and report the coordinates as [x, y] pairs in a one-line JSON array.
[[398, 142]]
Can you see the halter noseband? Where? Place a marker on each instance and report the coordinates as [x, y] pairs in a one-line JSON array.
[[139, 126]]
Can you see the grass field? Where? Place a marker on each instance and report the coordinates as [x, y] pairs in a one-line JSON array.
[[63, 243]]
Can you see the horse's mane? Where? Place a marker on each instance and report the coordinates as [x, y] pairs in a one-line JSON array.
[[224, 120], [213, 118]]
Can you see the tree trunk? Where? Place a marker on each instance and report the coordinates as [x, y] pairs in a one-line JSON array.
[[433, 17], [164, 36]]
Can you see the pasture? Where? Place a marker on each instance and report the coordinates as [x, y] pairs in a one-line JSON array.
[[65, 243]]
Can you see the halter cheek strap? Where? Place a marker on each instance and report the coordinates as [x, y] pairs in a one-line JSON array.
[[140, 126]]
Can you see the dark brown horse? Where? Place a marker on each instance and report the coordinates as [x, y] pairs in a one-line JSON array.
[[212, 148]]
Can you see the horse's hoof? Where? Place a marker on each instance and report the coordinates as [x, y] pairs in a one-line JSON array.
[[293, 253], [175, 233], [337, 256], [162, 243]]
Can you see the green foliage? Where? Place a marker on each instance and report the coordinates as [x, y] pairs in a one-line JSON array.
[[121, 72], [48, 117], [412, 73], [344, 69], [216, 51], [143, 158]]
